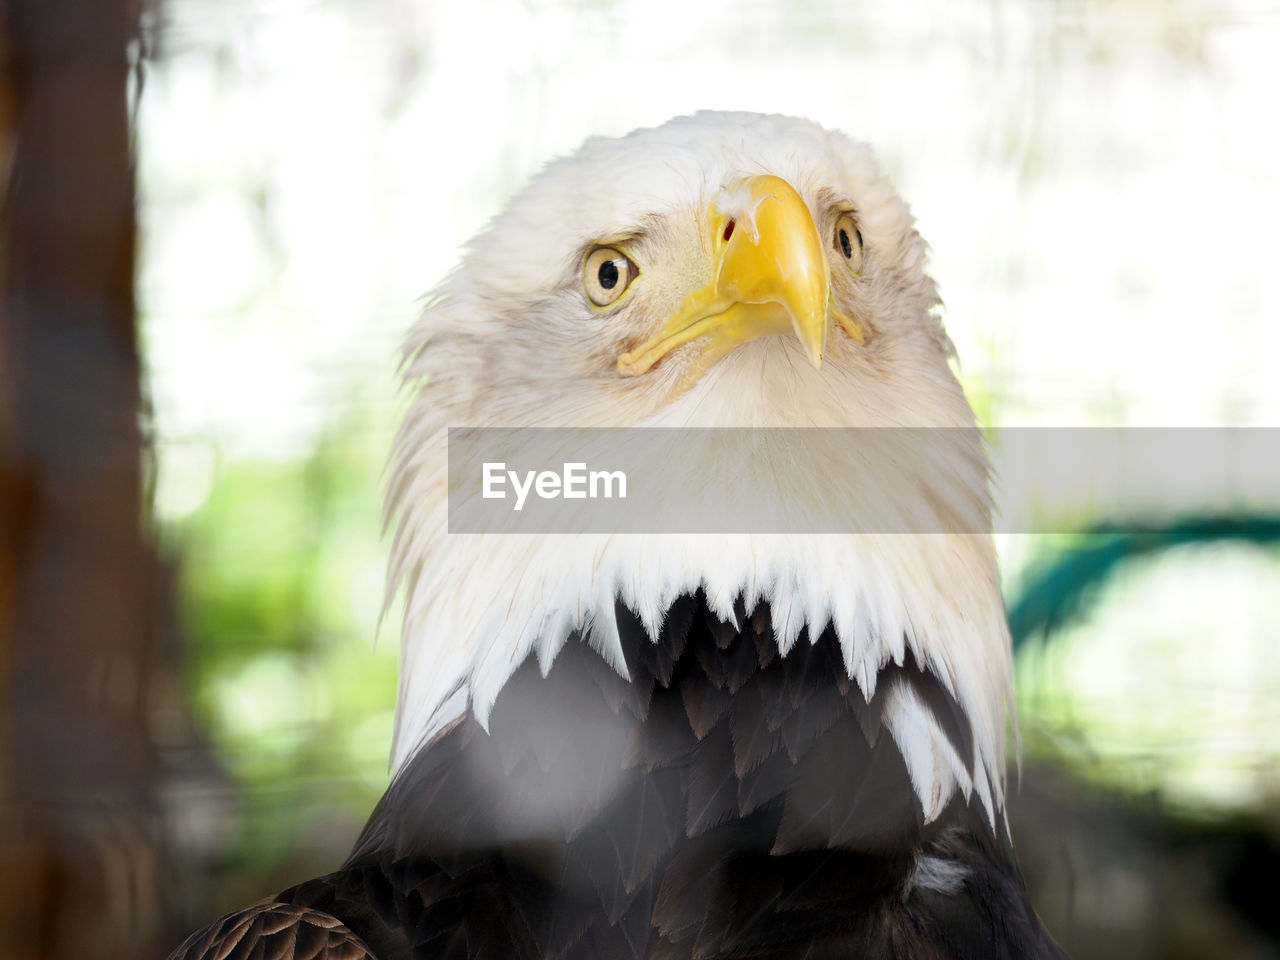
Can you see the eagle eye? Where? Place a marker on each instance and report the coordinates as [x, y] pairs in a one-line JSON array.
[[606, 274], [847, 241]]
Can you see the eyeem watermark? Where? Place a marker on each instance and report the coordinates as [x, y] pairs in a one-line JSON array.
[[913, 480], [573, 482]]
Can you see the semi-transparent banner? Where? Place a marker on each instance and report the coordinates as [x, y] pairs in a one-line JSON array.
[[874, 480]]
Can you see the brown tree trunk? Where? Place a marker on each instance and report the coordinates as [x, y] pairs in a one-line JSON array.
[[80, 837]]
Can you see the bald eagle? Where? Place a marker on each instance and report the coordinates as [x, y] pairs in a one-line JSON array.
[[781, 745]]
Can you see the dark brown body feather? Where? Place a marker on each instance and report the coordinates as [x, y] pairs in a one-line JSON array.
[[724, 802], [274, 931]]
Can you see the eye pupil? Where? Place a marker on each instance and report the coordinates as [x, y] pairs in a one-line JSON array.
[[606, 274], [845, 246]]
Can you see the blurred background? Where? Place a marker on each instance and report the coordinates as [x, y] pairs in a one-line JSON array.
[[198, 703]]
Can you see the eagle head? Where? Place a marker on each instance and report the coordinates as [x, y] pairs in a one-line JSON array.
[[720, 270]]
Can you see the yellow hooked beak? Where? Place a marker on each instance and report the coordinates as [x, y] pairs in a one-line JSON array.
[[771, 277]]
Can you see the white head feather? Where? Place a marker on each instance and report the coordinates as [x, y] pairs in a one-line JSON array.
[[510, 341]]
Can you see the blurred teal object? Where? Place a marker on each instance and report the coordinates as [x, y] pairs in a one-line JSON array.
[[1059, 590]]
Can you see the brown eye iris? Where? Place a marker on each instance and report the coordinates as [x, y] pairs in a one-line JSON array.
[[847, 241], [606, 274]]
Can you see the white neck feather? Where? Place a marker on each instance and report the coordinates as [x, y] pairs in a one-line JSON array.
[[478, 605]]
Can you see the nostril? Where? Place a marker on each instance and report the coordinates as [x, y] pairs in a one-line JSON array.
[[728, 230]]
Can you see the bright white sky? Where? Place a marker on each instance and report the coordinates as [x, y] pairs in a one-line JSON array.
[[1100, 182]]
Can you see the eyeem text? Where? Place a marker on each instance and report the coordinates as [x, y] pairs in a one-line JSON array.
[[573, 482]]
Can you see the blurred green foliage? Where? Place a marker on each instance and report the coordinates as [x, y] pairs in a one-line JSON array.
[[281, 579]]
